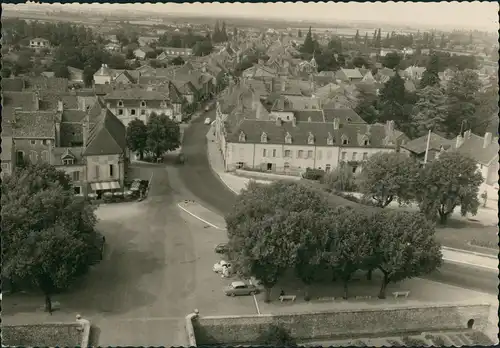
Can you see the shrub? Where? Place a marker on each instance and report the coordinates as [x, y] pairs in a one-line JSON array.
[[341, 179], [314, 174], [484, 243]]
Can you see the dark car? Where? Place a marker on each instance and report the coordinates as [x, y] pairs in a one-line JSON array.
[[221, 248]]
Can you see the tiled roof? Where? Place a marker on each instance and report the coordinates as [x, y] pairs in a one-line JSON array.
[[473, 147], [302, 103], [34, 124], [107, 137], [343, 115], [103, 89], [276, 133], [7, 117], [72, 115], [54, 84], [70, 101], [15, 84], [352, 73], [135, 94], [419, 145], [25, 100], [305, 115]]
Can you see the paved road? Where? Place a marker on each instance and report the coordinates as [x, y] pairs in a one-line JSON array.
[[197, 177], [196, 173]]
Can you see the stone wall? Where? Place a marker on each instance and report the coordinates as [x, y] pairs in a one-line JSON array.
[[325, 325], [53, 334], [265, 176]]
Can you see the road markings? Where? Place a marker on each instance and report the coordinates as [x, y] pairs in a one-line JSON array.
[[199, 218], [255, 299], [470, 264]]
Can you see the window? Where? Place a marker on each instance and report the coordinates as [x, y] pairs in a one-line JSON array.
[[288, 138], [264, 152], [310, 139], [111, 170], [309, 154], [143, 104], [120, 111], [354, 155], [240, 165], [319, 154], [77, 190], [288, 153], [263, 138], [329, 154], [76, 176], [45, 142], [132, 112], [287, 166], [97, 172], [68, 161], [143, 112], [300, 154], [365, 156], [33, 156], [19, 157], [45, 156], [274, 152], [344, 155], [345, 141], [120, 103], [328, 168], [33, 142]]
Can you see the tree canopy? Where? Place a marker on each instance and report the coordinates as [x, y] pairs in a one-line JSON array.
[[137, 136], [163, 134], [48, 236], [447, 182]]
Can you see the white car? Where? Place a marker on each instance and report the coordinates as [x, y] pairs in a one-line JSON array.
[[207, 108], [220, 266], [208, 120]]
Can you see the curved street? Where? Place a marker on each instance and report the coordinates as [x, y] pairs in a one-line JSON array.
[[198, 177]]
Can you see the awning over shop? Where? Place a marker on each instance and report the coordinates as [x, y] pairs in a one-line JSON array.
[[110, 185]]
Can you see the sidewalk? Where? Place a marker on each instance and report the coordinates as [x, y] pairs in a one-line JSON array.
[[233, 182]]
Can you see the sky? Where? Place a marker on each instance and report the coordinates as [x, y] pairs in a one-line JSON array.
[[480, 15]]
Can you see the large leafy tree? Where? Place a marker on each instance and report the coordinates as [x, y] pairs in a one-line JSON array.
[[341, 179], [405, 246], [310, 45], [48, 236], [449, 181], [163, 134], [387, 177], [430, 77], [393, 99], [137, 136], [486, 116], [462, 102], [271, 226], [429, 111], [391, 60]]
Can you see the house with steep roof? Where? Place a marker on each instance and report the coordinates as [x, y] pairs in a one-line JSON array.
[[418, 146], [484, 150], [103, 76], [105, 152], [129, 104], [349, 75], [290, 147]]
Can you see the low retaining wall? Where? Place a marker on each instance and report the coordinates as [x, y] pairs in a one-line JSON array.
[[265, 176], [232, 330], [49, 334]]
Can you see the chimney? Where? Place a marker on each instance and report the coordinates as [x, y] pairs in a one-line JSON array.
[[487, 139], [294, 121], [60, 106], [335, 123], [460, 141], [278, 122]]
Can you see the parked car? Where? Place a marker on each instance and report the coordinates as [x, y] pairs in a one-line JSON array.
[[240, 288], [207, 108], [220, 266], [208, 121], [221, 248]]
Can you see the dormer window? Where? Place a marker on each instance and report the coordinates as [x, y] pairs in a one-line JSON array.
[[288, 138], [120, 103], [242, 137], [329, 140], [163, 104], [366, 141], [349, 119], [263, 137], [143, 104], [345, 140], [310, 139], [68, 161]]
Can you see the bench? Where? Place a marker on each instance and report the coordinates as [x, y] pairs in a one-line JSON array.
[[401, 293], [288, 298], [365, 297]]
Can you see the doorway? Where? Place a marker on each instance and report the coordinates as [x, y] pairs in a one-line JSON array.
[[269, 166]]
